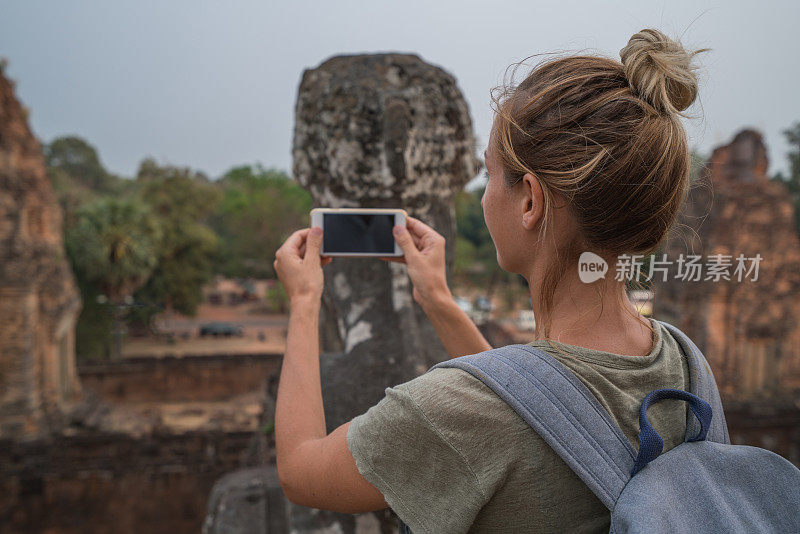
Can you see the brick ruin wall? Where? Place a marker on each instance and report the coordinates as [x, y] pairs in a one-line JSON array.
[[749, 330], [39, 300]]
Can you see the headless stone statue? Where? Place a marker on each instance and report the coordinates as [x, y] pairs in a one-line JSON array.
[[371, 131], [379, 131]]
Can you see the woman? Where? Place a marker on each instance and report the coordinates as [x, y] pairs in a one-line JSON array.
[[586, 154]]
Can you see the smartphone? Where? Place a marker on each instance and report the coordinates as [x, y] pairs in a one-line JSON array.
[[365, 232]]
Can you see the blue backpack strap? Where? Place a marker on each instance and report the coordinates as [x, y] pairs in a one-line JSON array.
[[703, 385], [562, 410]]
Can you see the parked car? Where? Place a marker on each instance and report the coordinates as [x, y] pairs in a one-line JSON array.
[[217, 329]]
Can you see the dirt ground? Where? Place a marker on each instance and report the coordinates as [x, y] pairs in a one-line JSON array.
[[185, 338], [263, 332]]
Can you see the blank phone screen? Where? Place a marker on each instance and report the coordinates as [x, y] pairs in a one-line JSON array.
[[358, 232]]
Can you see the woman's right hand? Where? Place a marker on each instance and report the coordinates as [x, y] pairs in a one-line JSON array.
[[423, 252]]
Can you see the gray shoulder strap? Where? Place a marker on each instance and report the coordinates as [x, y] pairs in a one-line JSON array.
[[703, 385], [561, 409]]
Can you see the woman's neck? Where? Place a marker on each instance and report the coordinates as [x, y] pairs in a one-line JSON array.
[[594, 316]]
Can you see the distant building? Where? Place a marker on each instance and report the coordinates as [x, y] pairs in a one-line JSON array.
[[228, 291]]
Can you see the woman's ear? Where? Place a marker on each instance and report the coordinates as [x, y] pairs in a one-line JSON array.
[[532, 201]]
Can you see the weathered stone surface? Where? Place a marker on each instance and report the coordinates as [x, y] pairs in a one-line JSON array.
[[748, 330], [379, 131], [39, 301], [248, 501], [98, 482], [383, 130]]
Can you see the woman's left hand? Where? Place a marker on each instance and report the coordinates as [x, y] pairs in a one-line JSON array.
[[299, 265]]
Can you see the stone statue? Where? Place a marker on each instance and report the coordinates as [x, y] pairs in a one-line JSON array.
[[377, 131]]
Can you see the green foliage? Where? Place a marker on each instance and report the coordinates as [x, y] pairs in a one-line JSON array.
[[469, 217], [93, 329], [163, 235], [698, 164], [465, 254], [276, 299], [268, 428], [259, 210], [182, 201], [476, 257], [111, 249], [71, 194], [78, 162], [112, 246], [792, 181], [77, 176]]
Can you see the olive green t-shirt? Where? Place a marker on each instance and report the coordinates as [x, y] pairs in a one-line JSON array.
[[449, 455]]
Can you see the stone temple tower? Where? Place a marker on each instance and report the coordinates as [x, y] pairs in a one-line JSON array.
[[745, 318], [39, 300]]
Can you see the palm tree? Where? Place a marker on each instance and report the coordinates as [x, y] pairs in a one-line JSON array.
[[113, 246]]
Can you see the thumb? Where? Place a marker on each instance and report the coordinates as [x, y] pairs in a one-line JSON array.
[[405, 241], [313, 246]]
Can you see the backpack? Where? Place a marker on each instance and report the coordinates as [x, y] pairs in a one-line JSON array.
[[704, 484]]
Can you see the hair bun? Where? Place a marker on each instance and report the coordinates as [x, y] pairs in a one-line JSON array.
[[660, 71]]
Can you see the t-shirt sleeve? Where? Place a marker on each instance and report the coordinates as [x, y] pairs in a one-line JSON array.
[[424, 479]]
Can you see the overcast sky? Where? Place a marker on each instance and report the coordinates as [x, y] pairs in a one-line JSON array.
[[213, 85]]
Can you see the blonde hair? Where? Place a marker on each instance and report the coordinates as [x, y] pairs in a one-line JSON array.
[[606, 136]]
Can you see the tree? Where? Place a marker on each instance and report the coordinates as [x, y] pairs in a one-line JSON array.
[[792, 181], [476, 256], [260, 208], [698, 163], [182, 201], [112, 251], [78, 161]]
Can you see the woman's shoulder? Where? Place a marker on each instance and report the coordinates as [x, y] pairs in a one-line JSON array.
[[454, 401], [450, 399], [466, 411], [449, 386]]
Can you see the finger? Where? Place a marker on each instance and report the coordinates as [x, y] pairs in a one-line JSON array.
[[417, 227], [406, 242], [313, 246], [428, 238], [295, 241], [326, 260], [422, 233]]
